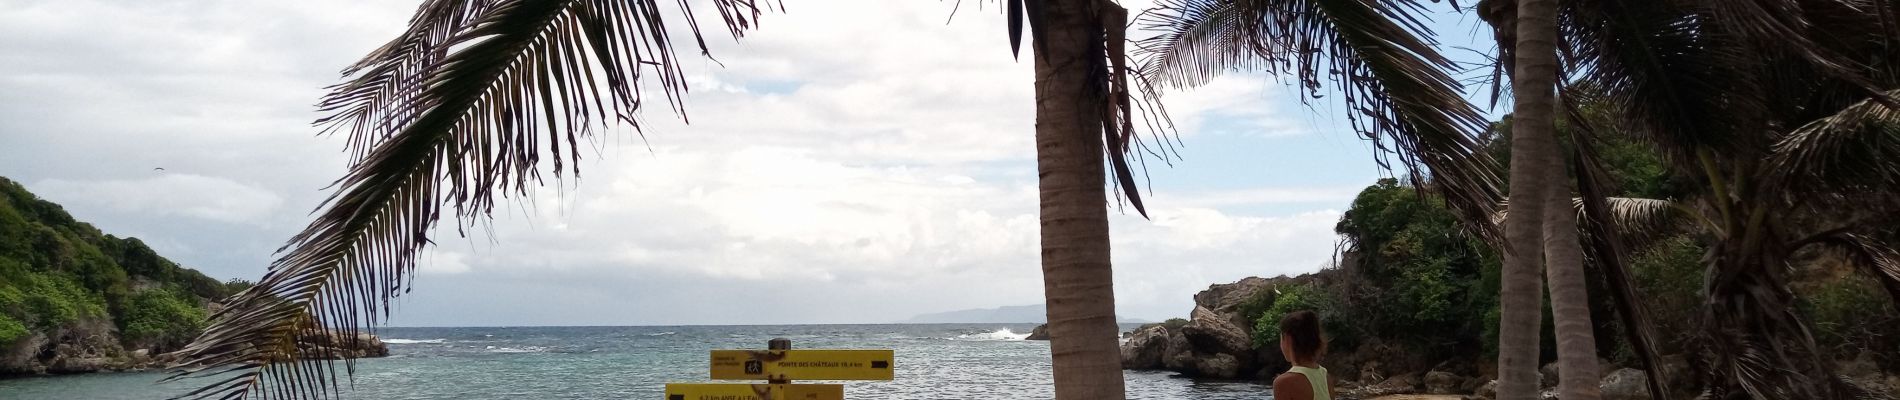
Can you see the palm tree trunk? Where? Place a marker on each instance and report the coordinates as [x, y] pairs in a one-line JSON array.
[[1077, 281], [1520, 298], [1569, 297]]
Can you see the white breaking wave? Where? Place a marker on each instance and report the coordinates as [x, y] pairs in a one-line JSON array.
[[999, 334], [662, 333], [414, 341], [528, 349]]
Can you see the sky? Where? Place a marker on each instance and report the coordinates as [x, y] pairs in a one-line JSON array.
[[852, 161]]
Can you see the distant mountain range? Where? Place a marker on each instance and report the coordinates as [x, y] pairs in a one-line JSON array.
[[1029, 314]]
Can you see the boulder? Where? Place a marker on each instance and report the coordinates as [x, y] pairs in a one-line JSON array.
[[1223, 366], [78, 364], [1177, 354], [1213, 333], [1144, 348], [1040, 333], [1547, 376], [1441, 382], [1487, 391], [1402, 384], [1226, 299], [1625, 384]]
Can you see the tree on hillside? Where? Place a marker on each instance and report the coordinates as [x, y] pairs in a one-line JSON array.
[[476, 95]]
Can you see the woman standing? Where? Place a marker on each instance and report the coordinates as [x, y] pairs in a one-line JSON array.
[[1302, 346]]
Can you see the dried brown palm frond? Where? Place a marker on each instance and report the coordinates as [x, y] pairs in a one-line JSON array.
[[1376, 54], [1851, 150], [462, 107]]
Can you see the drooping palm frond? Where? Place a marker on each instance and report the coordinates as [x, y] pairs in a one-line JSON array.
[[1653, 61], [1607, 249], [1852, 151], [460, 108], [1642, 220], [1878, 258], [1377, 54]]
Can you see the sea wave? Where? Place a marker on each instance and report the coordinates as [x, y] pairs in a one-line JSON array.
[[662, 333], [524, 349], [999, 334], [414, 341]]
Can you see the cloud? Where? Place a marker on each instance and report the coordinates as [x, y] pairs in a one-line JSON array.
[[851, 161], [195, 196]]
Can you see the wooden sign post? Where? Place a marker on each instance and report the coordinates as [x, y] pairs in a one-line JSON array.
[[778, 366]]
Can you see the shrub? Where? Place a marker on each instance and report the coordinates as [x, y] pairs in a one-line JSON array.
[[1851, 314], [10, 330], [160, 317], [1668, 274], [1266, 330]]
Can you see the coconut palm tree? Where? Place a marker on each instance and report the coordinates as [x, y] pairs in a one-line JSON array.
[[469, 102], [1784, 124], [1389, 70]]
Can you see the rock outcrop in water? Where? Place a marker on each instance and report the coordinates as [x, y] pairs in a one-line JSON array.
[[1040, 333], [333, 345], [1217, 342]]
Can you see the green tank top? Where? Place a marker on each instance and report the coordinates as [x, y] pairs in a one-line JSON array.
[[1317, 377]]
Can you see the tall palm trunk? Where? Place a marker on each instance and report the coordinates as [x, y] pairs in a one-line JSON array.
[[1077, 282], [1569, 293], [1521, 296]]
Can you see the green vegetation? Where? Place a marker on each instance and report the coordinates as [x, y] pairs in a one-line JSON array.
[[1339, 332], [58, 274], [1411, 278]]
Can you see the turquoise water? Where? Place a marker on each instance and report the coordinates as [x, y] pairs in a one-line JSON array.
[[948, 361]]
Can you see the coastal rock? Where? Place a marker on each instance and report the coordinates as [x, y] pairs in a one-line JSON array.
[[1040, 333], [1441, 382], [19, 357], [1487, 391], [1547, 376], [333, 345], [1178, 354], [1223, 366], [1226, 299], [1625, 384], [1213, 333], [1402, 384], [1145, 347]]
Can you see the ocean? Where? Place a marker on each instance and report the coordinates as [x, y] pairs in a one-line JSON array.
[[935, 361]]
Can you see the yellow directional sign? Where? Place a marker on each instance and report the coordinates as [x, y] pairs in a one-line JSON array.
[[747, 391], [856, 365]]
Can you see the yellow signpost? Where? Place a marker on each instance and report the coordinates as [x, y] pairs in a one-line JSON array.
[[750, 391], [779, 366], [854, 365]]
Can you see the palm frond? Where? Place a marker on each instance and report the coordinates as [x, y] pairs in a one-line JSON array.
[[1378, 55], [1777, 27], [1608, 251], [1878, 258], [461, 107], [1654, 60], [1852, 151], [1639, 221], [1200, 44]]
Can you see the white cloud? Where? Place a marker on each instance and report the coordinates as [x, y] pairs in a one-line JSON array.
[[195, 196], [862, 149]]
